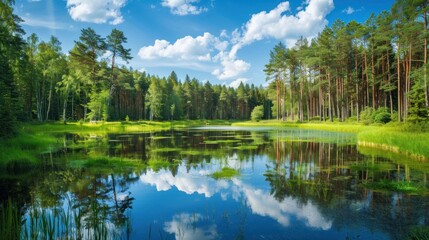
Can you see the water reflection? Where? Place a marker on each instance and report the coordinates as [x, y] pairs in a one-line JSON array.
[[291, 184], [185, 226]]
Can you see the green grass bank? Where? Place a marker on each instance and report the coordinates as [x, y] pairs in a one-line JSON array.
[[34, 139], [400, 138]]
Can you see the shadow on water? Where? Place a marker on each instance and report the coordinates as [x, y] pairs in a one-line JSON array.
[[217, 183]]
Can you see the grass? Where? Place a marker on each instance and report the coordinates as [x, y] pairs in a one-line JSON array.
[[69, 222], [413, 144], [24, 150], [195, 153], [166, 149], [418, 233], [396, 186], [225, 173], [393, 136], [245, 147], [223, 141]]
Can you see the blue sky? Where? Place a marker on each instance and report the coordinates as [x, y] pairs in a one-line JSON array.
[[221, 41]]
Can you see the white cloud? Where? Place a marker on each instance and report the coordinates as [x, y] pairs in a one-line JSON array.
[[280, 24], [183, 7], [187, 48], [237, 82], [33, 22], [230, 66], [96, 11], [205, 52], [218, 55], [349, 10]]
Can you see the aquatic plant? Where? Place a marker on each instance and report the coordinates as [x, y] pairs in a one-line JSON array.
[[225, 173]]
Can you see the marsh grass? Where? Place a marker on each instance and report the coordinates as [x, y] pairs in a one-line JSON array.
[[418, 233], [245, 147], [395, 186], [195, 152], [225, 173], [11, 221], [398, 137], [23, 151], [166, 149], [68, 223], [222, 141], [409, 143]]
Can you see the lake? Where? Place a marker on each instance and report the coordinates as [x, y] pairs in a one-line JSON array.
[[219, 183]]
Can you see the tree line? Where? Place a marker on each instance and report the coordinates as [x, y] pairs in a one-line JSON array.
[[39, 82], [371, 71], [351, 69]]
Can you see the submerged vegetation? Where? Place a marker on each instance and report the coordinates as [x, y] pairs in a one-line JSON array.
[[225, 173]]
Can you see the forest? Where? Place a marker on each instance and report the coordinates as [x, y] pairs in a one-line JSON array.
[[374, 71]]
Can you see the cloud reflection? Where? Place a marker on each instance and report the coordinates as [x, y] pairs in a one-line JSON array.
[[261, 202], [184, 226]]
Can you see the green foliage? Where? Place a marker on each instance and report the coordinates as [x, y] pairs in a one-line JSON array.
[[418, 112], [418, 233], [366, 115], [369, 115], [10, 221], [225, 173], [257, 113], [401, 186], [381, 115]]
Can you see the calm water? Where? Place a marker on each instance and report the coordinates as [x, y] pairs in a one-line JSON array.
[[290, 184]]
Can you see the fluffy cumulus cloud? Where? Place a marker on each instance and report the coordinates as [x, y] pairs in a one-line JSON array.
[[281, 24], [183, 7], [230, 67], [200, 48], [218, 54], [96, 11]]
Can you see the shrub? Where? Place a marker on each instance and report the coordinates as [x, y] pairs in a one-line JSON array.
[[257, 113], [381, 115], [365, 115], [351, 119], [316, 118]]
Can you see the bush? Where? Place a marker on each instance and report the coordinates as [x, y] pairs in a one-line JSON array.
[[351, 119], [381, 115], [365, 115], [257, 113], [316, 118]]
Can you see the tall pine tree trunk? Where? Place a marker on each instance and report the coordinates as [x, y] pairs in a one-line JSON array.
[[399, 83]]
